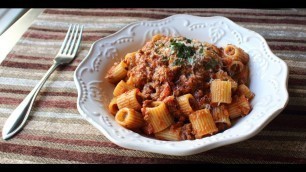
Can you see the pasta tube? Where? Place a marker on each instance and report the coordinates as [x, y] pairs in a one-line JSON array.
[[224, 77], [122, 87], [239, 107], [244, 76], [158, 116], [221, 117], [244, 105], [221, 91], [129, 99], [117, 73], [236, 53], [132, 81], [244, 90], [202, 123], [113, 107], [169, 134], [235, 67], [129, 58], [234, 110], [186, 103], [129, 118]]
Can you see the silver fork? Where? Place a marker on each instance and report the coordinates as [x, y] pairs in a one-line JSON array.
[[66, 54]]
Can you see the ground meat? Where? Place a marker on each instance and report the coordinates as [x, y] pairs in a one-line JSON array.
[[186, 132], [147, 90], [221, 126], [147, 128], [165, 91], [160, 74], [173, 107]]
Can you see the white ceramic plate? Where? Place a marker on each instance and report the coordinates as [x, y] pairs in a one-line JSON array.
[[269, 76]]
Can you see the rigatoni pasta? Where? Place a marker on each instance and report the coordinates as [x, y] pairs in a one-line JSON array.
[[175, 88], [186, 103], [203, 123], [235, 67], [240, 107], [117, 72], [158, 116], [221, 91], [234, 110], [122, 87], [129, 99], [244, 90], [172, 134], [236, 53], [113, 106], [221, 117], [129, 118]]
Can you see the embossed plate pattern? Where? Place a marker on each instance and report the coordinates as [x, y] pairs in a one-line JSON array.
[[269, 75]]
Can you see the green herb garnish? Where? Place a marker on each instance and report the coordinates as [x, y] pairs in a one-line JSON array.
[[211, 64], [201, 50], [182, 50], [178, 62], [190, 60]]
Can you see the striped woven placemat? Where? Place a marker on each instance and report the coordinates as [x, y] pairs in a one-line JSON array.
[[56, 132]]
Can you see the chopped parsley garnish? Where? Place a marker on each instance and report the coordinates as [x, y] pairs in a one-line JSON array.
[[211, 64], [182, 50], [190, 60], [178, 62], [188, 40], [201, 50]]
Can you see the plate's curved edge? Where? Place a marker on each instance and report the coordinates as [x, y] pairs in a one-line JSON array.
[[194, 150]]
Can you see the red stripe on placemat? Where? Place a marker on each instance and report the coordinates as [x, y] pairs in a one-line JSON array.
[[279, 138], [288, 47], [297, 70], [41, 103], [86, 157], [43, 93], [285, 40], [45, 36], [271, 21], [37, 66], [253, 154], [296, 81], [159, 16], [249, 13], [297, 94], [65, 30], [204, 11], [18, 56], [287, 122], [11, 55], [68, 141], [106, 14]]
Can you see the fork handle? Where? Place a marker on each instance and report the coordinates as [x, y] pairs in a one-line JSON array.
[[17, 119]]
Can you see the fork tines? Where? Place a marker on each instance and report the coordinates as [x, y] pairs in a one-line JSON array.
[[74, 33]]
